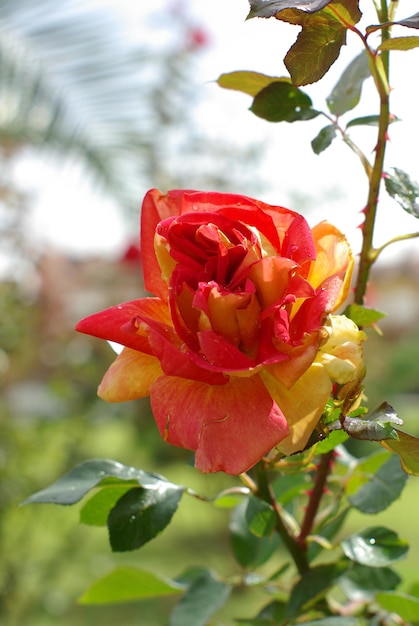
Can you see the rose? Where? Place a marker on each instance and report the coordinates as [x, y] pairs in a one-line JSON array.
[[227, 346]]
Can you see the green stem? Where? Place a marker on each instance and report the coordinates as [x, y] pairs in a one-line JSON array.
[[364, 161], [368, 255], [379, 250], [315, 498], [266, 494]]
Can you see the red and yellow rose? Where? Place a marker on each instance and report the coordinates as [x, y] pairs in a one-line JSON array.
[[231, 348]]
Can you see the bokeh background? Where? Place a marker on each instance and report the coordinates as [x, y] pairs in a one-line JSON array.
[[100, 101]]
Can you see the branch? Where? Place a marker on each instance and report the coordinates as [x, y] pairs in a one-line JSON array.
[[265, 492]]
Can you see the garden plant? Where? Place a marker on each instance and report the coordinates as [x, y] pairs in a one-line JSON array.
[[251, 349]]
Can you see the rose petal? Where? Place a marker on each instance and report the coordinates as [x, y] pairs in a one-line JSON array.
[[221, 355], [298, 241], [302, 405], [288, 370], [271, 276], [156, 207], [334, 263], [177, 360], [114, 324], [231, 426], [129, 377]]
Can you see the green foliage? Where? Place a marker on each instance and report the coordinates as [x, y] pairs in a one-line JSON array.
[[140, 514], [347, 92], [406, 192], [407, 447], [260, 8], [128, 584], [324, 138], [205, 595], [322, 35], [363, 316], [377, 425], [250, 549], [400, 604], [358, 581], [313, 586], [375, 547], [137, 514], [247, 82], [282, 102], [381, 486], [400, 43]]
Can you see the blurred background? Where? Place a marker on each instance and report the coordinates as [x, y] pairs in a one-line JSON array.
[[100, 101]]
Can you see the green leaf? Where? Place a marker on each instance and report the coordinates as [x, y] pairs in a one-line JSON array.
[[328, 531], [128, 584], [407, 607], [269, 8], [76, 483], [190, 575], [313, 585], [347, 92], [272, 613], [366, 120], [363, 316], [363, 469], [407, 448], [333, 439], [382, 488], [399, 43], [403, 190], [247, 82], [318, 45], [323, 139], [141, 514], [334, 620], [288, 487], [203, 598], [229, 498], [282, 102], [376, 425], [249, 550], [363, 582], [411, 22], [375, 547], [260, 517], [96, 510]]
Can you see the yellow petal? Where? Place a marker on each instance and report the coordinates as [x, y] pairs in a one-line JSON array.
[[302, 405], [342, 354], [129, 377], [333, 256]]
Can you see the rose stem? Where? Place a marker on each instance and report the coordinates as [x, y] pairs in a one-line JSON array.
[[367, 256], [266, 494], [323, 470]]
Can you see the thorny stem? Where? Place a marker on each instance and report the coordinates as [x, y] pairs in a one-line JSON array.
[[368, 255], [315, 498], [265, 493]]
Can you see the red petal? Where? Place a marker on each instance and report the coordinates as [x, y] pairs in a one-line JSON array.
[[155, 208], [221, 354], [114, 324], [177, 360], [231, 427]]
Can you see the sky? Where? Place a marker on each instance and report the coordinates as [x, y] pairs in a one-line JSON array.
[[328, 186]]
